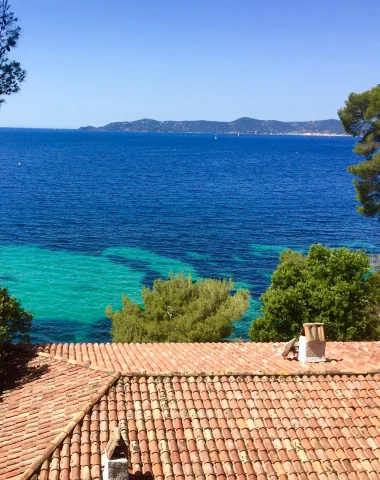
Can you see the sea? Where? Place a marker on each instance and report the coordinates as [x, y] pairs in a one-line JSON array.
[[87, 216]]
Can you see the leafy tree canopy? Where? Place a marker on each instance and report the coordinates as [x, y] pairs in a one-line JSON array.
[[11, 72], [15, 322], [333, 286], [361, 118], [179, 309]]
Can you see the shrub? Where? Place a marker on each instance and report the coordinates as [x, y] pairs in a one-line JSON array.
[[15, 322], [333, 286], [179, 309]]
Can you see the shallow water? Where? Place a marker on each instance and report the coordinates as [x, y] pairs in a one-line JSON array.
[[88, 216]]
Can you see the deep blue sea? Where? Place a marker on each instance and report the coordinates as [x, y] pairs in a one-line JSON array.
[[87, 216]]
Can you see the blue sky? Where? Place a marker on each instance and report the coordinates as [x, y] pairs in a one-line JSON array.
[[92, 62]]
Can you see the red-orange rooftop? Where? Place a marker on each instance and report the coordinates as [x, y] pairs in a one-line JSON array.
[[192, 411], [214, 358]]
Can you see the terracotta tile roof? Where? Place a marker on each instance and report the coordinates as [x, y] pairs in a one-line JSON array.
[[240, 427], [214, 358], [233, 411], [34, 414]]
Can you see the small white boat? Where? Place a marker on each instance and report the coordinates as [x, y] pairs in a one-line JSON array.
[[216, 138]]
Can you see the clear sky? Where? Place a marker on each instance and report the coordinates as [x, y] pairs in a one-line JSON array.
[[91, 62]]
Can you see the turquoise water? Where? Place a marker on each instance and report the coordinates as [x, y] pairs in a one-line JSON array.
[[65, 286], [88, 216], [153, 262]]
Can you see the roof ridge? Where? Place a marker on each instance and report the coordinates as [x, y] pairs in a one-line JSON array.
[[78, 417], [211, 373], [248, 342], [253, 373]]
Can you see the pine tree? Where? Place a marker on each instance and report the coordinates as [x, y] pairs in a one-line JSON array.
[[11, 72], [179, 309], [361, 118]]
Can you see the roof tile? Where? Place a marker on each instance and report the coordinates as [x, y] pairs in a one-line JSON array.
[[195, 411], [232, 455], [42, 407]]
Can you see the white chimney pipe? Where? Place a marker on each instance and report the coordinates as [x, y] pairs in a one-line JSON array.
[[312, 343]]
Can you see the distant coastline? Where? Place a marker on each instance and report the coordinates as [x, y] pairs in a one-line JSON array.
[[243, 125]]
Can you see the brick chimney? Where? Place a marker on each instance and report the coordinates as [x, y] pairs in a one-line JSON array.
[[115, 458], [312, 343]]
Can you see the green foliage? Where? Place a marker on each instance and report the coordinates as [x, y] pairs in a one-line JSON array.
[[333, 286], [179, 309], [361, 117], [15, 322], [11, 72], [367, 185]]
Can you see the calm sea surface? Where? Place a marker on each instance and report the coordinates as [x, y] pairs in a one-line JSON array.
[[87, 216]]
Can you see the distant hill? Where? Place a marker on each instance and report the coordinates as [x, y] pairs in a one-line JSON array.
[[241, 125]]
